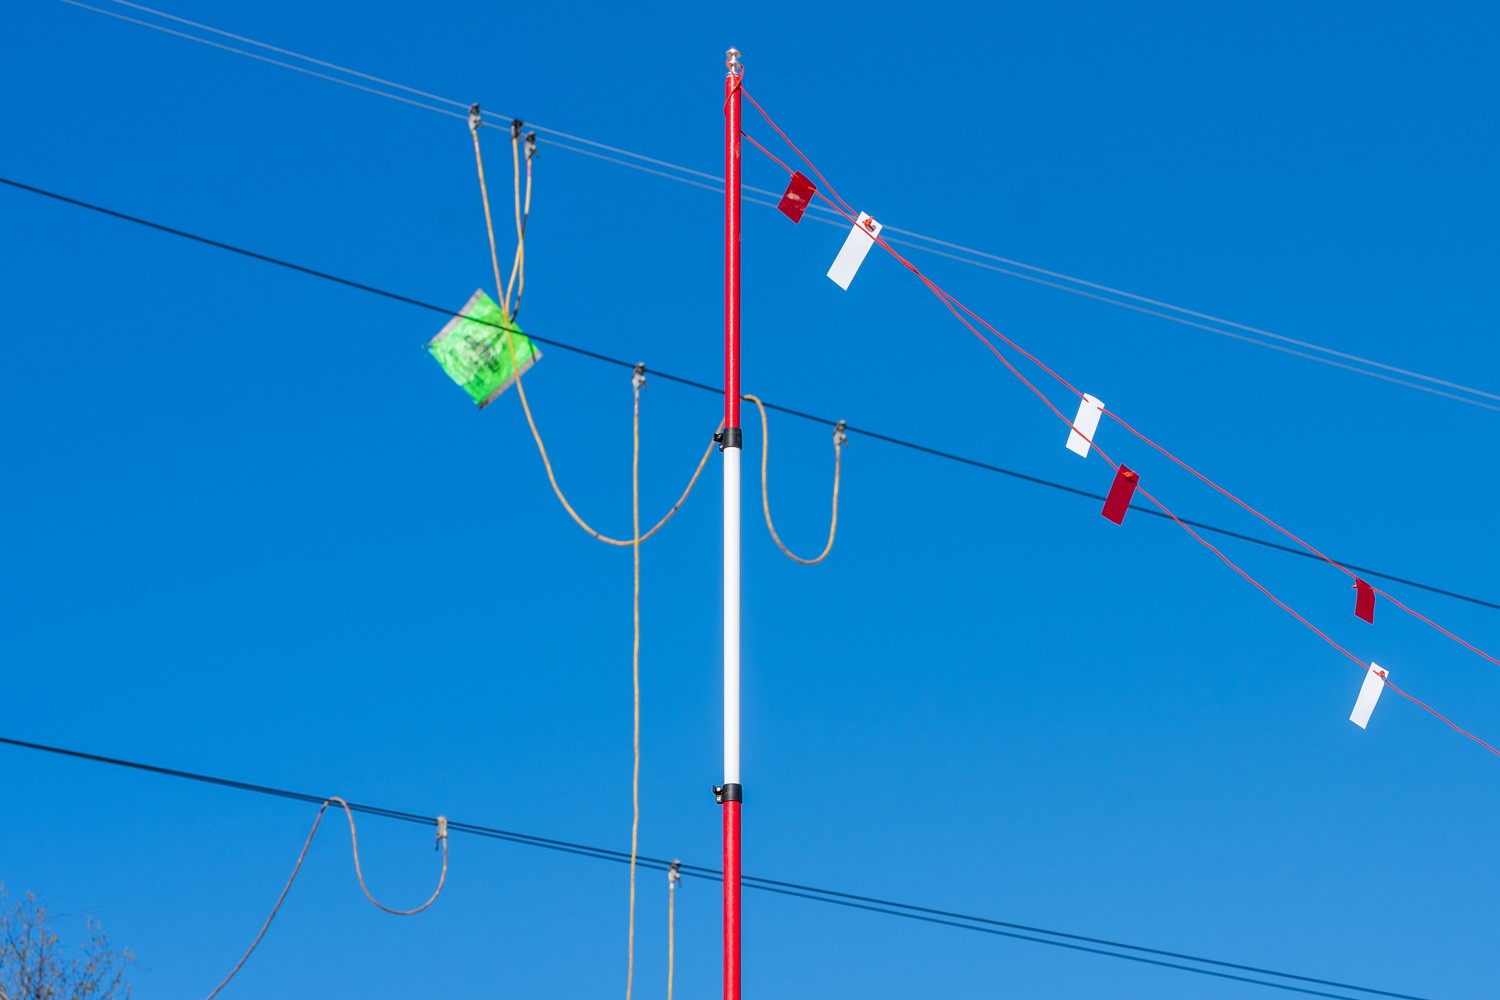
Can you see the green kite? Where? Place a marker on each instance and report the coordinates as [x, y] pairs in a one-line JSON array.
[[475, 349]]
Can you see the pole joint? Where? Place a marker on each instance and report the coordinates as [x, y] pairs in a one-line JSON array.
[[731, 792]]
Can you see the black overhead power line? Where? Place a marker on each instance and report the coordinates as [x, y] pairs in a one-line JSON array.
[[908, 911], [693, 383]]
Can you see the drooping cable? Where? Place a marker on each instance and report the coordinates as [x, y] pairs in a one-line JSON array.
[[674, 879], [536, 434], [839, 438], [442, 836], [638, 382]]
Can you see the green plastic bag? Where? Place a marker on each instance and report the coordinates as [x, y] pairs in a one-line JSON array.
[[475, 349]]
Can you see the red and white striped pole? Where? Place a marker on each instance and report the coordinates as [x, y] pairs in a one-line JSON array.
[[730, 794]]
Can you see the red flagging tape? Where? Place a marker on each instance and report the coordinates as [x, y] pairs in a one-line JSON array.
[[798, 196], [1118, 501], [1364, 601]]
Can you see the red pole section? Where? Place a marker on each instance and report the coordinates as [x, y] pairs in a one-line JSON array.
[[732, 102], [731, 901]]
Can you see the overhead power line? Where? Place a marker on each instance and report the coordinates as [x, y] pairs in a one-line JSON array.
[[1003, 928], [718, 390], [1010, 267]]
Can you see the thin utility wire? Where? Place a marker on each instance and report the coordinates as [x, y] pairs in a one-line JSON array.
[[907, 911], [1045, 277], [718, 390]]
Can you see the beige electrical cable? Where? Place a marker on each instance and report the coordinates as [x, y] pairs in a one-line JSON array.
[[442, 827], [638, 380], [765, 497], [518, 266], [526, 404], [674, 879]]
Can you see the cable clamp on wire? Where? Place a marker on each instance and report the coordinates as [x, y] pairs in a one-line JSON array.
[[638, 378], [530, 146], [442, 832], [475, 121], [674, 874], [840, 433], [516, 125]]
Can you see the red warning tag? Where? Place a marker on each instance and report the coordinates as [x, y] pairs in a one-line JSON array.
[[798, 196], [1118, 501], [1364, 601]]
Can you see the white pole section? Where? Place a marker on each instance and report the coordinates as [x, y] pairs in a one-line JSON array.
[[732, 615]]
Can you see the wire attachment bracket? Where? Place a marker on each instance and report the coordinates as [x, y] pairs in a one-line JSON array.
[[475, 119], [840, 433], [516, 125], [442, 828], [674, 874], [530, 146], [638, 377]]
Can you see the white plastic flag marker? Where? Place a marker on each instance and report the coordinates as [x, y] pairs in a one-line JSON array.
[[1369, 693], [856, 246], [1085, 425]]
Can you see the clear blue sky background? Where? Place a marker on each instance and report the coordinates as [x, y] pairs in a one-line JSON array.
[[251, 529]]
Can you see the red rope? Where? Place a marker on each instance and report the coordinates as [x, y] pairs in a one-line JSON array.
[[786, 139], [958, 309], [848, 213]]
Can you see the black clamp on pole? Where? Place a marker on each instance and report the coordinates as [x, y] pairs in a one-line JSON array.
[[728, 793]]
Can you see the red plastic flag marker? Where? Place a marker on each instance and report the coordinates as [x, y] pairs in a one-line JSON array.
[[1118, 501], [798, 196], [1364, 601]]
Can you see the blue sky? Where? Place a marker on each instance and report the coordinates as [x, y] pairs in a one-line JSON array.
[[252, 530]]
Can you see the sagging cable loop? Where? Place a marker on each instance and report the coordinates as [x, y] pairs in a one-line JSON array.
[[442, 838], [526, 403], [840, 436]]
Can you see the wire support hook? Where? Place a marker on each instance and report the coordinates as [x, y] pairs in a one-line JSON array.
[[476, 118]]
